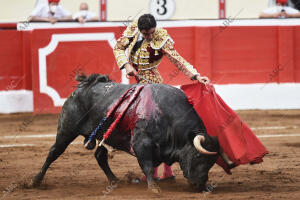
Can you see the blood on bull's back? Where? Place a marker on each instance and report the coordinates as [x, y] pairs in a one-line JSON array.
[[142, 108]]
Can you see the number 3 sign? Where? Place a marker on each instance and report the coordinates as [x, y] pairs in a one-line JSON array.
[[162, 9]]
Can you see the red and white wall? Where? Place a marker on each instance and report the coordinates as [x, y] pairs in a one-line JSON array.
[[255, 64]]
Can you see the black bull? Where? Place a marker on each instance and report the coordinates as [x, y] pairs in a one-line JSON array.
[[172, 133]]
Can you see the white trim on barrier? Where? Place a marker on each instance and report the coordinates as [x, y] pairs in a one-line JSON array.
[[237, 96], [260, 96], [175, 23], [55, 40]]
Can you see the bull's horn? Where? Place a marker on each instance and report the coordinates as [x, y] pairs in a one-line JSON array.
[[197, 143], [226, 159]]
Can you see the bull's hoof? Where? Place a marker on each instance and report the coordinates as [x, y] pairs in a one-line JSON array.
[[154, 188], [198, 187], [36, 181], [114, 181]]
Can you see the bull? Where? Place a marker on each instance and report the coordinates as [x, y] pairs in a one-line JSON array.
[[161, 126]]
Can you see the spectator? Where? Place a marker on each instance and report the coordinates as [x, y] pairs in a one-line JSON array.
[[84, 15], [51, 12], [281, 10]]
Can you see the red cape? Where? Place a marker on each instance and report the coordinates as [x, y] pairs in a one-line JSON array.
[[235, 137]]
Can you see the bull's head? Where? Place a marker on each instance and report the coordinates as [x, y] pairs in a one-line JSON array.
[[197, 159]]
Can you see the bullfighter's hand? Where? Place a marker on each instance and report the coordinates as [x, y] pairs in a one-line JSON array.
[[130, 70], [202, 79]]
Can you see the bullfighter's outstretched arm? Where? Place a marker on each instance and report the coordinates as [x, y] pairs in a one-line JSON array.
[[179, 61]]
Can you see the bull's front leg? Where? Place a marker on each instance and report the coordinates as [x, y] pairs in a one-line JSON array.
[[102, 159], [63, 139], [143, 150]]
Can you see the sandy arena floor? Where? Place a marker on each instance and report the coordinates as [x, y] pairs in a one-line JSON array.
[[76, 175]]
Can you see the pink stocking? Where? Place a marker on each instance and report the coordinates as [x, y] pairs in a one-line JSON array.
[[155, 175], [167, 171]]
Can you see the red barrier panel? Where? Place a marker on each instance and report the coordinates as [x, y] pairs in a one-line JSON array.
[[8, 26], [227, 54], [296, 53], [243, 55], [59, 54], [11, 72]]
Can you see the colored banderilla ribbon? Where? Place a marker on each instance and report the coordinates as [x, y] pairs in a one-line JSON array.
[[136, 91]]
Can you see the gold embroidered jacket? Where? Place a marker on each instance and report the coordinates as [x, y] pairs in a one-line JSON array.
[[148, 56]]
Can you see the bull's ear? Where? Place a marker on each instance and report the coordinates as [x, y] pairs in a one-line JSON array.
[[103, 78]]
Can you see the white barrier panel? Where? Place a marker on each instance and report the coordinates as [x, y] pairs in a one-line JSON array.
[[237, 96], [261, 96], [16, 101]]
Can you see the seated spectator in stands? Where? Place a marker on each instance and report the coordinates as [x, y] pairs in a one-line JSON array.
[[84, 15], [281, 10], [51, 12]]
